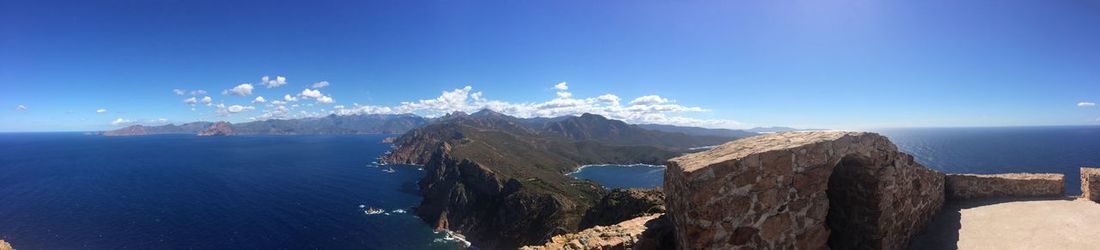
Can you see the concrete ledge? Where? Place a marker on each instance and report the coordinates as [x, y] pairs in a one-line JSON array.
[[1090, 184], [973, 186]]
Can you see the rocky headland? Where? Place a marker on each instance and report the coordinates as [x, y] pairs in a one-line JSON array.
[[501, 182]]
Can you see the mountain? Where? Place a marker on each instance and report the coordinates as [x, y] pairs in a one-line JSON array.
[[134, 130], [590, 127], [332, 124], [500, 180], [697, 131]]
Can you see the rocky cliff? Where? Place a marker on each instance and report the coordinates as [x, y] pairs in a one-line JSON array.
[[641, 233], [501, 180], [801, 190], [624, 204]]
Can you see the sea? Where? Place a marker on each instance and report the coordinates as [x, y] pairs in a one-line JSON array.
[[77, 191]]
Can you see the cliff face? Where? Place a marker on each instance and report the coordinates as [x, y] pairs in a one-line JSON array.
[[502, 183], [624, 204], [642, 233], [464, 196]]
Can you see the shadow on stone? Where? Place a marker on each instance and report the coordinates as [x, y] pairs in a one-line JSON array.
[[943, 231], [853, 208]]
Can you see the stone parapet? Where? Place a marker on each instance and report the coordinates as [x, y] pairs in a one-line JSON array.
[[976, 186], [801, 190], [1090, 184]]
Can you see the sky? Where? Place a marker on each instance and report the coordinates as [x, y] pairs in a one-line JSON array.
[[97, 65]]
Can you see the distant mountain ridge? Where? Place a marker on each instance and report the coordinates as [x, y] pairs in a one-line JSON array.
[[699, 131], [331, 124]]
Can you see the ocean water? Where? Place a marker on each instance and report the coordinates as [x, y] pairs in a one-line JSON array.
[[1062, 149], [73, 191], [623, 176]]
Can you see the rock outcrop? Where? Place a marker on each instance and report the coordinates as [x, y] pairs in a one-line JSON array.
[[801, 190], [4, 245], [492, 211], [623, 204], [639, 233], [217, 129], [1090, 184], [977, 186]]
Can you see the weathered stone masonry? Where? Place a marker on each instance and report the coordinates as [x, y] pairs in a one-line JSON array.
[[977, 186], [1090, 184], [801, 190]]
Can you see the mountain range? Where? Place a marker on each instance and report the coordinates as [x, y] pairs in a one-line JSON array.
[[331, 124]]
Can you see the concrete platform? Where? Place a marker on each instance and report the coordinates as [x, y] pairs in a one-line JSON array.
[[1013, 224]]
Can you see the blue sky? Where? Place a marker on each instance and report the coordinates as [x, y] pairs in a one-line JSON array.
[[820, 64]]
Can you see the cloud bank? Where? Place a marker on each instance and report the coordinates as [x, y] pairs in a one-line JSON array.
[[644, 109]]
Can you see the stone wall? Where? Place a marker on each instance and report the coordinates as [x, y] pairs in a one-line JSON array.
[[1090, 184], [975, 186], [803, 190]]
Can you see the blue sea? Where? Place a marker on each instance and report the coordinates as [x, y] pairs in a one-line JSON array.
[[950, 150], [623, 176], [74, 191]]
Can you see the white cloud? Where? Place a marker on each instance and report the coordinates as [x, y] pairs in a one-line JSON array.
[[320, 84], [310, 93], [241, 90], [207, 100], [198, 92], [609, 98], [561, 86], [239, 108], [645, 109], [259, 99], [648, 100], [190, 101], [1086, 104], [101, 111], [120, 122], [289, 98], [325, 99], [272, 83], [20, 107], [179, 91]]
